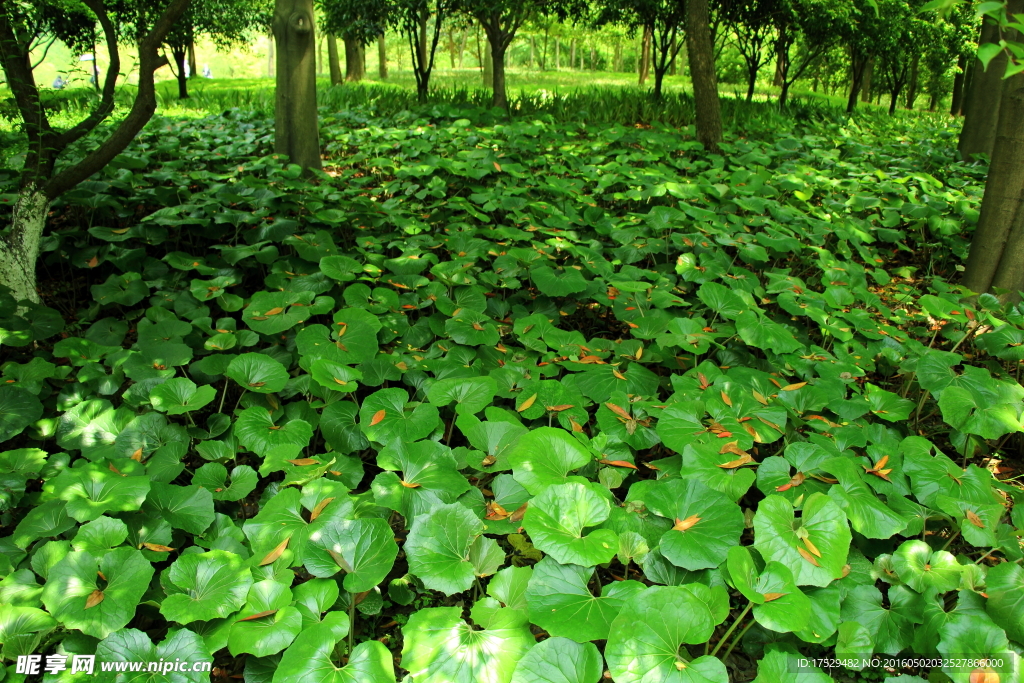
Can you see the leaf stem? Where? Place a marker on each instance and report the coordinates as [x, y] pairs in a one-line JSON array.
[[738, 638], [951, 539], [732, 628], [351, 623]]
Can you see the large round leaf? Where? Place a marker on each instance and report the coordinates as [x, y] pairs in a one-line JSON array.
[[544, 457], [18, 409], [814, 546], [204, 586], [22, 629], [93, 489], [440, 647], [922, 569], [556, 519], [267, 623], [130, 645], [785, 607], [1005, 589], [255, 429], [309, 659], [364, 549], [258, 372], [470, 394], [561, 603], [386, 416], [646, 639], [438, 548], [97, 596], [706, 523], [560, 660], [429, 477], [180, 395], [969, 637]]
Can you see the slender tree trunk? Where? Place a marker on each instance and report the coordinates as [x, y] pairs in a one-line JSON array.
[[958, 86], [933, 104], [462, 47], [533, 48], [572, 54], [333, 62], [382, 57], [915, 73], [179, 55], [751, 82], [779, 77], [320, 55], [193, 68], [702, 73], [672, 65], [488, 71], [421, 42], [858, 67], [500, 98], [593, 58], [984, 98], [968, 79], [271, 58], [296, 128], [894, 95], [558, 55], [645, 55], [865, 88]]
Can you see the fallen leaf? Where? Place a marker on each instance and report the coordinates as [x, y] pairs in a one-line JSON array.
[[559, 408], [744, 459], [517, 516], [259, 615], [726, 399], [796, 480], [759, 397], [811, 548], [496, 512], [621, 412], [974, 519], [794, 387], [137, 455], [95, 598], [525, 405], [807, 556], [732, 447], [303, 462], [92, 263], [272, 556], [410, 486], [684, 524], [618, 463], [488, 461], [274, 311], [157, 548], [319, 508], [618, 374], [378, 416], [768, 597]]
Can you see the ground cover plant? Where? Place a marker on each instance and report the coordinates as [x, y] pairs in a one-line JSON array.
[[519, 399]]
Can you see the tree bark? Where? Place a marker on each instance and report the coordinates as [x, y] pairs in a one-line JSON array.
[[958, 86], [982, 115], [915, 73], [558, 55], [865, 88], [19, 252], [644, 65], [382, 57], [497, 53], [355, 68], [533, 49], [488, 65], [271, 58], [702, 72], [858, 67], [296, 127], [572, 54], [179, 55], [333, 62], [193, 68]]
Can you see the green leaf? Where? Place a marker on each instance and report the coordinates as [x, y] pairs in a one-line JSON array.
[[214, 478], [255, 429], [923, 569], [963, 410], [782, 666], [780, 536], [309, 658], [335, 376], [75, 582], [784, 608], [1005, 589], [189, 508], [364, 549], [854, 643], [439, 647], [969, 637], [544, 457], [130, 645], [126, 289], [100, 535], [560, 660], [93, 489], [258, 372], [708, 522], [646, 638], [561, 603], [204, 586], [22, 629], [429, 477], [561, 282], [555, 521], [887, 405], [18, 409], [268, 634], [384, 417], [179, 395], [438, 548], [470, 394], [722, 300], [761, 333]]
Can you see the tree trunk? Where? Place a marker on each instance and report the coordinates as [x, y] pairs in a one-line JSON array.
[[382, 57], [645, 55], [20, 249], [558, 55], [915, 73], [533, 49], [659, 79], [488, 71], [572, 54], [990, 262], [958, 86], [702, 74], [179, 55], [858, 67], [617, 57], [865, 88], [270, 57], [981, 120], [779, 77], [500, 98], [193, 69], [421, 42], [593, 58], [355, 69], [296, 128], [672, 66], [751, 82], [894, 95], [462, 47], [333, 63], [320, 56]]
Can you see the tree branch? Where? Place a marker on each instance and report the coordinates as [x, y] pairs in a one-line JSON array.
[[20, 79], [142, 108], [106, 104]]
